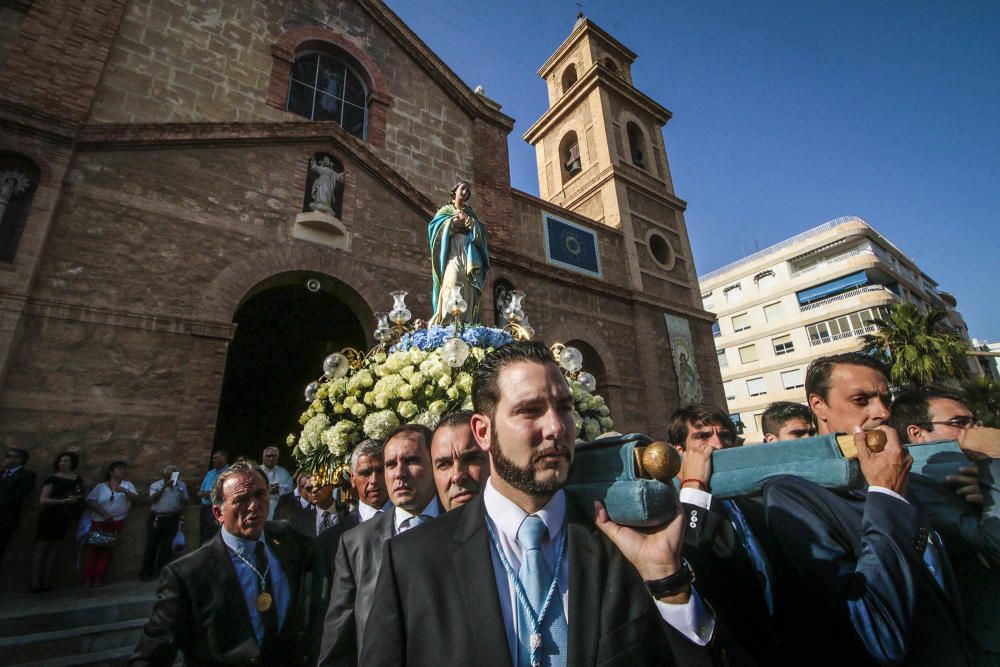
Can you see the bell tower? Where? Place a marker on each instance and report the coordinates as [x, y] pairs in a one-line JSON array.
[[599, 151]]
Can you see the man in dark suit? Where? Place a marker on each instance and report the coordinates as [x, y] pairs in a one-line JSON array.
[[864, 580], [725, 540], [446, 592], [233, 601], [16, 484], [410, 482], [291, 504], [968, 517], [368, 480]]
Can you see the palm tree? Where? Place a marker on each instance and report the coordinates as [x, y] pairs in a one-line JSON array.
[[920, 348], [983, 398]]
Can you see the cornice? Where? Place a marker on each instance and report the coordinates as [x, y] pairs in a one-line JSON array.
[[597, 75], [28, 120], [129, 136]]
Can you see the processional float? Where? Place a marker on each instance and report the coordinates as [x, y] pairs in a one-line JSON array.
[[419, 372]]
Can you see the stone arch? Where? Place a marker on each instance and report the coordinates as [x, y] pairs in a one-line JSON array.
[[638, 148], [296, 40], [570, 160], [569, 77], [20, 179], [241, 280], [593, 363]]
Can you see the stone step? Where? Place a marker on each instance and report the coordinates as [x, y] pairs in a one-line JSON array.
[[52, 644], [114, 657], [99, 613], [22, 613]]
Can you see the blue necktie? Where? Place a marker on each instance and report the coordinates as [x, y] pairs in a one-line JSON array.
[[754, 550], [536, 579]]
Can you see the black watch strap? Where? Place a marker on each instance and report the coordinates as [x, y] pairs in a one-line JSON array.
[[675, 583]]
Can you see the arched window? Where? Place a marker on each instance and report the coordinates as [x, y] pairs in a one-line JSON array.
[[636, 145], [18, 182], [323, 87], [568, 77], [569, 156], [611, 65]]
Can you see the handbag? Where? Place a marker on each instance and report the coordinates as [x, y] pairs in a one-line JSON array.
[[179, 543], [101, 538]]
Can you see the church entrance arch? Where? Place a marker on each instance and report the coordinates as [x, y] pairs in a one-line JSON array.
[[285, 327]]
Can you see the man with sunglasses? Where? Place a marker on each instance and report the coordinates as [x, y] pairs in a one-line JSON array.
[[968, 519]]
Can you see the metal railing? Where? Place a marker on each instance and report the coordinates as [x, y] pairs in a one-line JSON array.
[[846, 295], [847, 334], [832, 260]]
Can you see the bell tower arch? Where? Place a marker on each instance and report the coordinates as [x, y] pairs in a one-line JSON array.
[[600, 152]]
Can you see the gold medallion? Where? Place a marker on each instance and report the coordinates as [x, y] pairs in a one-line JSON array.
[[875, 440], [263, 602]]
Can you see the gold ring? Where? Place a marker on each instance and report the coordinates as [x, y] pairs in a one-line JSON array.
[[875, 440]]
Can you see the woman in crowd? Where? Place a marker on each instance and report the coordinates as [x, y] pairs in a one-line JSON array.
[[109, 503], [61, 503]]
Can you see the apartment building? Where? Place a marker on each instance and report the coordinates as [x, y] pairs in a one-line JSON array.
[[809, 296]]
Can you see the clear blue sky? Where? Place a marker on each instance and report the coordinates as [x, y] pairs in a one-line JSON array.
[[787, 113]]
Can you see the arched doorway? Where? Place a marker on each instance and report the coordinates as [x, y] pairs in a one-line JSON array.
[[593, 364], [286, 326]]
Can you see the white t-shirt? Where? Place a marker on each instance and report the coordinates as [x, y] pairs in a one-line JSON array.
[[115, 504]]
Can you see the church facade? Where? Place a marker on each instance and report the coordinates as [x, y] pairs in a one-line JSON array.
[[167, 287]]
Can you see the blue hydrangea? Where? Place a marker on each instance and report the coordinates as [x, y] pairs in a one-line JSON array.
[[434, 337]]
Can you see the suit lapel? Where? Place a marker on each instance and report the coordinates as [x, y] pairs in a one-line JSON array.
[[226, 576], [477, 586], [584, 596]]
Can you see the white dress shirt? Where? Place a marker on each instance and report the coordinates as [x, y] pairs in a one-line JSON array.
[[366, 512], [692, 619], [432, 510]]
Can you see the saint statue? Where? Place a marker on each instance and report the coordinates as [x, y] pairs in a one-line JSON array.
[[327, 186], [459, 256]]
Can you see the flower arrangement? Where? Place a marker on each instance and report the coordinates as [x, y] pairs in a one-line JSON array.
[[409, 383]]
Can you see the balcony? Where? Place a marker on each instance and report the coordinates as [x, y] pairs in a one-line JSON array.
[[841, 336], [846, 295], [831, 261]]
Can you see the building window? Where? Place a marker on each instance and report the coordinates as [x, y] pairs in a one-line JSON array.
[[730, 390], [716, 331], [568, 77], [741, 322], [792, 379], [819, 333], [737, 422], [773, 311], [708, 301], [723, 360], [325, 88], [765, 280], [783, 345], [748, 354], [569, 156], [733, 293], [636, 144], [845, 326], [755, 387]]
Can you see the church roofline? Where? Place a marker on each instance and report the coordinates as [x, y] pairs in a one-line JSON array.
[[474, 105], [581, 28]]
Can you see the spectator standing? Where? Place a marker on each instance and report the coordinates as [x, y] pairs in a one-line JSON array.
[[279, 482], [109, 502], [16, 484], [208, 525], [61, 502], [167, 498], [292, 504]]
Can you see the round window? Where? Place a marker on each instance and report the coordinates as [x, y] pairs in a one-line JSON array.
[[661, 250]]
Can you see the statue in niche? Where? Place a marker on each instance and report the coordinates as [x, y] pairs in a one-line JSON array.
[[12, 183], [459, 255], [327, 187]]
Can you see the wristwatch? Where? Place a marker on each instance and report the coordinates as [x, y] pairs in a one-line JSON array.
[[673, 584]]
